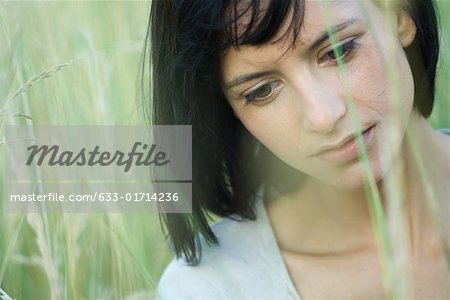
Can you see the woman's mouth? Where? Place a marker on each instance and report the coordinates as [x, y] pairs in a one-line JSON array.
[[347, 151]]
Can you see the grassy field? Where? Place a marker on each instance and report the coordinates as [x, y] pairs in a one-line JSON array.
[[77, 63], [90, 52]]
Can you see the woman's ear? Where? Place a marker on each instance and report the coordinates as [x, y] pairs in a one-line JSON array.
[[406, 29]]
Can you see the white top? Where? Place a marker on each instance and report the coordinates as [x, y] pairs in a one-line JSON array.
[[247, 264]]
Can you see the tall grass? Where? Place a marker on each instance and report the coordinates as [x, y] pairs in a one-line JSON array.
[[67, 63], [75, 63]]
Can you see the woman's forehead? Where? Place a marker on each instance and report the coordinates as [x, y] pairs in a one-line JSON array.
[[350, 16], [248, 18]]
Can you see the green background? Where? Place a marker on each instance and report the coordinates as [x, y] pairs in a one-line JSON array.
[[79, 63]]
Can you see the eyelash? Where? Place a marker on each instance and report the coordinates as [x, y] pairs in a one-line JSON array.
[[252, 95], [345, 50]]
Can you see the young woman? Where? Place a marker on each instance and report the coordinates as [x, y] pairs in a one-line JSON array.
[[304, 114]]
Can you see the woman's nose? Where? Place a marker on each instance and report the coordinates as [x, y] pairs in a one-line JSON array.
[[321, 107]]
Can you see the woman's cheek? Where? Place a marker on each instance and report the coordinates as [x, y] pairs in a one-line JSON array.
[[381, 86], [277, 126], [368, 81]]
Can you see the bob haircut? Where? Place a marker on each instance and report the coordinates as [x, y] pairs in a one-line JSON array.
[[184, 42]]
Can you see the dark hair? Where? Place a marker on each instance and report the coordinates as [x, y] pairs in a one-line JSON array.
[[185, 39]]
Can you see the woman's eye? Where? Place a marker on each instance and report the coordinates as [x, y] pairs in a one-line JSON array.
[[261, 94], [339, 53]]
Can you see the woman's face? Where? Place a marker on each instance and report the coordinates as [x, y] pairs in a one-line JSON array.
[[294, 99]]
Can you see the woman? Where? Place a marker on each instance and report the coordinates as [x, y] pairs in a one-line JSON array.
[[307, 116]]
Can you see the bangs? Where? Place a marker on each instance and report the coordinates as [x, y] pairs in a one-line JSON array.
[[257, 22]]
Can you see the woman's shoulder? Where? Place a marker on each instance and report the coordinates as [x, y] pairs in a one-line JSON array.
[[220, 267], [246, 249]]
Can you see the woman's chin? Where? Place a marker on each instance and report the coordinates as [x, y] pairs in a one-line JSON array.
[[354, 177]]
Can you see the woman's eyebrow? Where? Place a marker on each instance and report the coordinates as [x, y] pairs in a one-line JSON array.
[[325, 35], [247, 77]]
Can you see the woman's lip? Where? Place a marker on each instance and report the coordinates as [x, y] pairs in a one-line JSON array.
[[349, 150]]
